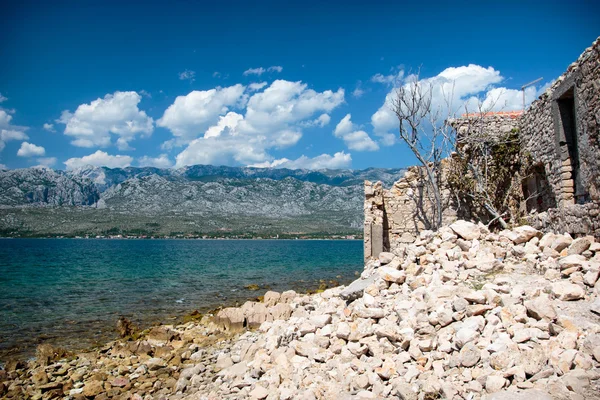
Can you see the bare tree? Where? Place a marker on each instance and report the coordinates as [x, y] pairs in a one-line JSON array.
[[422, 126], [484, 166]]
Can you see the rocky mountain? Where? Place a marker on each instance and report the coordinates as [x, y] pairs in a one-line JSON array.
[[201, 199]]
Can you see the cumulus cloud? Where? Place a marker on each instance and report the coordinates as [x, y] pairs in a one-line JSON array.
[[99, 159], [2, 166], [358, 92], [30, 150], [273, 118], [49, 127], [2, 98], [46, 161], [187, 75], [354, 138], [189, 116], [216, 74], [394, 77], [91, 124], [460, 88], [257, 86], [321, 121], [161, 161], [146, 94], [260, 70], [324, 161], [7, 135]]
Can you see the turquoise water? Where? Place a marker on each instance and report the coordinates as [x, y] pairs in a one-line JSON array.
[[70, 292]]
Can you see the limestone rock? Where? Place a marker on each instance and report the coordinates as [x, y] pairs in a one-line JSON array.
[[579, 246], [567, 291], [541, 308], [529, 394], [466, 230], [392, 275], [386, 258], [356, 288]]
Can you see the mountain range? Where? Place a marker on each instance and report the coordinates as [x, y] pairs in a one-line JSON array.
[[197, 200]]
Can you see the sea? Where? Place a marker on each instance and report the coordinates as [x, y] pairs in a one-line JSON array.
[[71, 292]]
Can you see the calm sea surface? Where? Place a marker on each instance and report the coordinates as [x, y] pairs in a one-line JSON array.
[[70, 292]]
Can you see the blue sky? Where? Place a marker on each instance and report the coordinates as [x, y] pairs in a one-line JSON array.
[[289, 84]]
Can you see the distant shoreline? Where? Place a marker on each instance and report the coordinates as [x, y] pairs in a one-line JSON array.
[[162, 238]]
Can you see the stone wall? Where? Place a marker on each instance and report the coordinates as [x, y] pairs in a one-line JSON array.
[[571, 165], [560, 133], [395, 216]]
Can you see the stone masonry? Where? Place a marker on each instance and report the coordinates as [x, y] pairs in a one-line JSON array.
[[560, 131]]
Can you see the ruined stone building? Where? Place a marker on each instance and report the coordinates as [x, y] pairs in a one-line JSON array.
[[560, 132]]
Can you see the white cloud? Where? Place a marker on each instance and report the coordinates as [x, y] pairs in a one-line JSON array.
[[257, 86], [91, 124], [273, 118], [324, 119], [260, 70], [254, 71], [226, 124], [30, 150], [5, 119], [358, 92], [187, 75], [7, 135], [47, 161], [464, 86], [324, 161], [2, 98], [390, 79], [161, 161], [10, 134], [321, 121], [354, 138], [2, 166], [189, 116], [49, 127], [216, 74], [99, 159], [146, 94]]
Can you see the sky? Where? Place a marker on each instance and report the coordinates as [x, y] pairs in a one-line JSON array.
[[270, 84]]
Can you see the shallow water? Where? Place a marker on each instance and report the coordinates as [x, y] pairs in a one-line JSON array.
[[70, 292]]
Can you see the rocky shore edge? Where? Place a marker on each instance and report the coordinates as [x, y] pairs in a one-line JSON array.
[[462, 313]]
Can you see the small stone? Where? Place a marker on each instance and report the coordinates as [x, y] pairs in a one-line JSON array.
[[392, 275], [529, 394], [567, 291], [386, 258], [92, 388], [541, 308], [469, 355], [579, 246], [156, 363], [494, 383], [466, 230], [259, 392], [561, 242], [570, 261], [464, 336], [39, 378], [120, 382]]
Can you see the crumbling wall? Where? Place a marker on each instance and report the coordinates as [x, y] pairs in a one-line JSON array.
[[543, 136], [394, 217]]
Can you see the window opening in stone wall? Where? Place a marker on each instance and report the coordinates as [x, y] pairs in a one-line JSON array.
[[572, 182]]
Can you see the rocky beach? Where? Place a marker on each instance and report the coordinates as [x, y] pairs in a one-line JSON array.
[[461, 313]]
